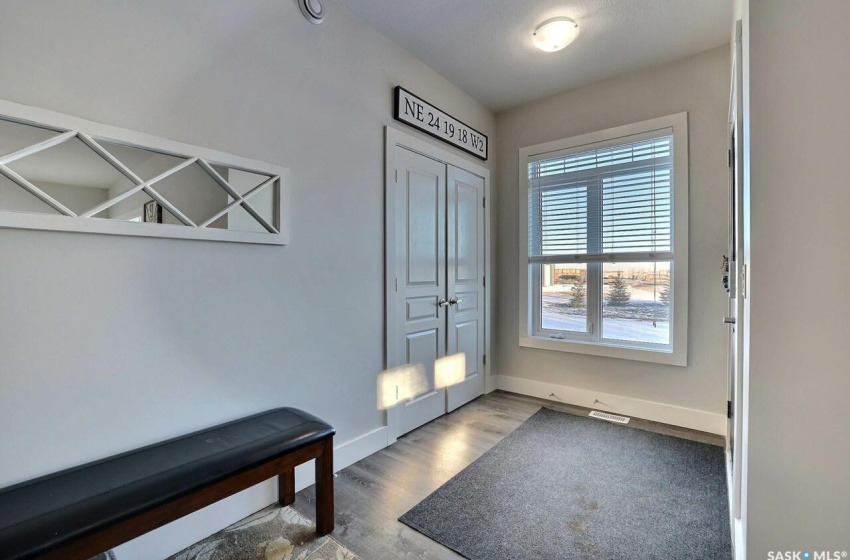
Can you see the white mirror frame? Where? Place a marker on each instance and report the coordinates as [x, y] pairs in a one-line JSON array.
[[68, 127]]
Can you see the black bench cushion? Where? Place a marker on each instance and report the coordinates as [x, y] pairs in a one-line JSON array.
[[39, 515]]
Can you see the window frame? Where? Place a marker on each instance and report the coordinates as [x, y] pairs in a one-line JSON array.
[[531, 334]]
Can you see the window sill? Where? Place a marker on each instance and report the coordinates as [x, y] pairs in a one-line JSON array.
[[674, 358]]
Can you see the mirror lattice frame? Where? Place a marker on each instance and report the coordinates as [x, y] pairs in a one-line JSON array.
[[92, 134]]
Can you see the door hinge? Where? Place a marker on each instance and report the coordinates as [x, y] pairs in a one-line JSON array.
[[484, 281], [744, 281], [484, 202], [728, 159], [396, 284], [396, 175], [485, 359], [728, 409]]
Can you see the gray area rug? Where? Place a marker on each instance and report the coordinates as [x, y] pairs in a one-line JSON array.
[[565, 486], [274, 533]]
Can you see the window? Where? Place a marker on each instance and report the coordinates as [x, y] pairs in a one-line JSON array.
[[604, 243]]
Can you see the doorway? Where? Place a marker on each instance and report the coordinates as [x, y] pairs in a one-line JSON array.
[[437, 298]]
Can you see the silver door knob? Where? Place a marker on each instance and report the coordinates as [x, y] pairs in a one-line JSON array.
[[729, 320], [455, 301], [442, 303]]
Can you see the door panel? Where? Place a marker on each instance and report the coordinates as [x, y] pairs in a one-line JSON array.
[[421, 255], [424, 215], [737, 279], [466, 227], [423, 347], [419, 308], [732, 305], [739, 301], [465, 280], [467, 342], [467, 301]]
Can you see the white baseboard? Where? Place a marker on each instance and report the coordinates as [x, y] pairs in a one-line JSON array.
[[174, 537], [648, 410]]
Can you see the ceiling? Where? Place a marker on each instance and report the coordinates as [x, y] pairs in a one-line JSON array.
[[484, 46]]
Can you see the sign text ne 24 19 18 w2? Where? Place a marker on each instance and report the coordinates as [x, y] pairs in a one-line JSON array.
[[420, 114]]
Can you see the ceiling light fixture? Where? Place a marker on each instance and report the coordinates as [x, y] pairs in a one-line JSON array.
[[313, 10], [556, 33]]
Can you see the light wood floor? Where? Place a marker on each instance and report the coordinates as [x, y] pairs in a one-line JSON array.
[[373, 493]]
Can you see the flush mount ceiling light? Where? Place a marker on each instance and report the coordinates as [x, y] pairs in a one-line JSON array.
[[312, 10], [556, 33]]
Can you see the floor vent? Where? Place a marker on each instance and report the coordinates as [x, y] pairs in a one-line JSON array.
[[610, 417]]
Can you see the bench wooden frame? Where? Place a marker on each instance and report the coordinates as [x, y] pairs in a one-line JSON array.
[[283, 467]]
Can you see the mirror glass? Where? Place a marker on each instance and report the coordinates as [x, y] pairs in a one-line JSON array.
[[147, 164], [72, 178], [17, 199], [14, 137], [194, 192], [72, 174], [138, 207], [259, 198]]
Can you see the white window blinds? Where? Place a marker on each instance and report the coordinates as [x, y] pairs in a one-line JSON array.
[[613, 201]]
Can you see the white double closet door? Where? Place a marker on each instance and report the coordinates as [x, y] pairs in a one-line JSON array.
[[439, 271]]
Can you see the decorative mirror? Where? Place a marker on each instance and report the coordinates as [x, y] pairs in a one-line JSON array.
[[62, 173]]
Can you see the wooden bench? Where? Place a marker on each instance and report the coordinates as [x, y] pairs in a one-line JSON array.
[[83, 511]]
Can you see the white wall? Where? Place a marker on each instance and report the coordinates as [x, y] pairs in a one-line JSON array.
[[110, 343], [700, 86], [798, 478]]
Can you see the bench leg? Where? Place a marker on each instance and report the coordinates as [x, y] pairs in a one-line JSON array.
[[286, 486], [325, 489]]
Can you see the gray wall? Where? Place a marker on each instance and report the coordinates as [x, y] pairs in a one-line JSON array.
[[110, 343], [700, 86], [799, 436]]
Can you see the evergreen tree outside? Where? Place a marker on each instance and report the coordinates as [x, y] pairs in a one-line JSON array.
[[618, 295], [665, 294], [577, 293]]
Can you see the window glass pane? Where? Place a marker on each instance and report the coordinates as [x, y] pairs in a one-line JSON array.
[[564, 297], [632, 152], [636, 302], [617, 199], [562, 218], [637, 211]]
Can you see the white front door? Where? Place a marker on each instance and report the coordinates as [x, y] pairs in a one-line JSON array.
[[737, 281], [465, 281], [420, 307], [437, 304]]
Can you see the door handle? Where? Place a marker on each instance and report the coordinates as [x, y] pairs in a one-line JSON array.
[[455, 301], [442, 303], [729, 320]]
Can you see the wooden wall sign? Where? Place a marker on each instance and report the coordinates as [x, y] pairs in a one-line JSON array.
[[418, 113]]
